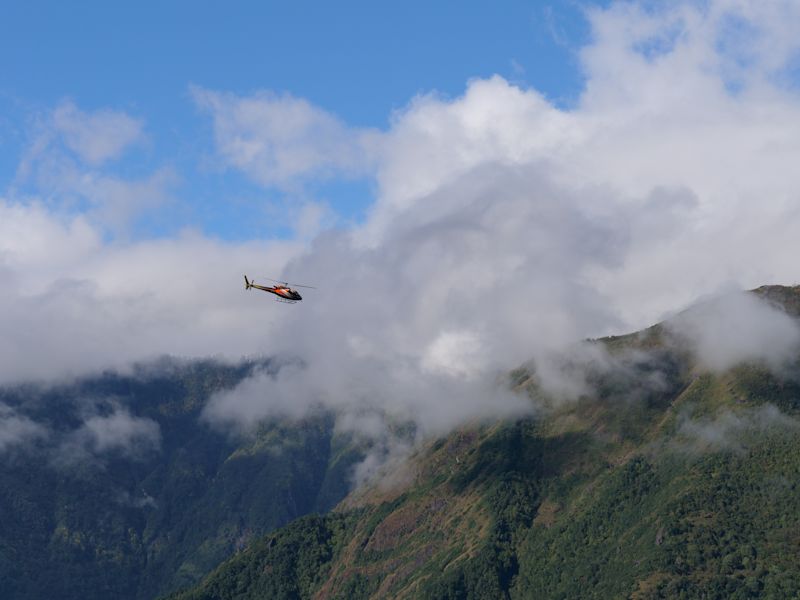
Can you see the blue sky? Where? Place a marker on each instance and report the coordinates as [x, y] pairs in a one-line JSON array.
[[359, 60]]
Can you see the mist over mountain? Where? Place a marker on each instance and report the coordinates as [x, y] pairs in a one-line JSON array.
[[665, 474]]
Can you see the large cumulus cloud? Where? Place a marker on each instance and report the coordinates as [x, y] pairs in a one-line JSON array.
[[503, 227]]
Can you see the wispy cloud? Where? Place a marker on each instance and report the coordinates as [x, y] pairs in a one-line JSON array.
[[280, 140], [99, 136], [68, 165], [90, 139]]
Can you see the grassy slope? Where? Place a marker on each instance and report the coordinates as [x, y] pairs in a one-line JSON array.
[[612, 496]]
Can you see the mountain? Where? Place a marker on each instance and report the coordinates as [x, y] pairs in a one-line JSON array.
[[663, 478], [115, 487]]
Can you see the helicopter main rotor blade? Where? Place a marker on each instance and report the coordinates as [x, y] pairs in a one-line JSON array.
[[291, 284]]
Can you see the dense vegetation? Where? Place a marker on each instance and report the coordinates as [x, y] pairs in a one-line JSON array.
[[81, 524], [663, 481]]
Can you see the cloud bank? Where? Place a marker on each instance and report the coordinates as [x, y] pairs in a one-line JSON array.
[[503, 228]]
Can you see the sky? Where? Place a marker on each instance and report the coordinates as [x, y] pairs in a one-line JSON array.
[[468, 186], [358, 60]]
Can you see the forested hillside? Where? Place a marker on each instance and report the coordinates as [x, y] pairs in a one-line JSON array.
[[120, 489]]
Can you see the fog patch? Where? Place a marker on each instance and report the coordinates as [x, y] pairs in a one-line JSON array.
[[735, 328], [265, 394], [18, 430], [141, 500], [117, 433], [729, 430], [382, 462], [120, 431], [564, 376], [384, 410]]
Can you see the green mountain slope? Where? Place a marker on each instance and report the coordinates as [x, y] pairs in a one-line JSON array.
[[80, 523], [663, 480]]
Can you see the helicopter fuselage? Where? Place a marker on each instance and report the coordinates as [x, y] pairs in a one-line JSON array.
[[281, 291]]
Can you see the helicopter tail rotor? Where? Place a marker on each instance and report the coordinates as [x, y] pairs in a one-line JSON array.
[[247, 284]]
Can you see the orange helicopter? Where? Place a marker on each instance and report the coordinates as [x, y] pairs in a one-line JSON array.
[[281, 289]]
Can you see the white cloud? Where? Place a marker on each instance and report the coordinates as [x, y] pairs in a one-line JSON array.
[[98, 136], [506, 228], [116, 202], [65, 164], [72, 302], [32, 240], [455, 353], [434, 142], [279, 139]]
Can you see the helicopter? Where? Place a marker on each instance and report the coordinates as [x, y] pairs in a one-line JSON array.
[[281, 289]]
